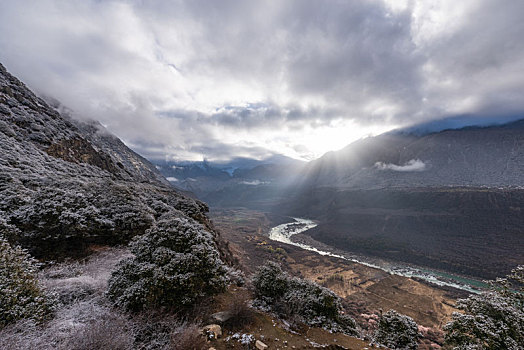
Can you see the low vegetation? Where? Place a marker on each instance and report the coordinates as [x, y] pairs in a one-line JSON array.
[[21, 297], [397, 331], [87, 320], [82, 317], [175, 263], [240, 314], [295, 298], [493, 319], [187, 337], [109, 331]]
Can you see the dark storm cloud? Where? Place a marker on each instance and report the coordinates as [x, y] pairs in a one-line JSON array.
[[353, 51], [219, 77]]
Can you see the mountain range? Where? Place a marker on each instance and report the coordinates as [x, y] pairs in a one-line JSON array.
[[239, 182], [452, 199]]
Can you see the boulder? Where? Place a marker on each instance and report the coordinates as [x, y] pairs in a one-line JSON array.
[[212, 331], [260, 346], [220, 317]]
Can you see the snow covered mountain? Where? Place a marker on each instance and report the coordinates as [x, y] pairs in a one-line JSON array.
[[238, 183]]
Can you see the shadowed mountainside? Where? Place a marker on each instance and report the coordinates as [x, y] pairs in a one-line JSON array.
[[452, 199], [469, 231], [474, 156]]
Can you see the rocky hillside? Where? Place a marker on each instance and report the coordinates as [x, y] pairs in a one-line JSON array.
[[66, 184]]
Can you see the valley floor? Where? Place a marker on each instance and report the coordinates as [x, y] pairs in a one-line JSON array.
[[365, 290]]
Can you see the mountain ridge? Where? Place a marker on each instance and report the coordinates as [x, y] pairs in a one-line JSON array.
[[68, 184], [471, 156], [452, 199]]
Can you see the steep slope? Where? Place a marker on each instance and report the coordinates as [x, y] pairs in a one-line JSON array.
[[65, 185], [452, 200], [474, 156], [134, 164]]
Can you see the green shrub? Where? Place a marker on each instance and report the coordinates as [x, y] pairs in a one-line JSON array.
[[493, 319], [175, 263], [270, 283], [397, 331], [293, 297], [20, 295]]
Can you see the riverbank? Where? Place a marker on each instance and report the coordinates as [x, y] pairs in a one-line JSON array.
[[365, 290], [289, 232]]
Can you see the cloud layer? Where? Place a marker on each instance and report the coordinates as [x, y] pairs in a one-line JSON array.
[[412, 165], [223, 78]]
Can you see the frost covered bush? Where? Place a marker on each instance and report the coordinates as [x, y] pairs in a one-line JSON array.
[[397, 331], [270, 283], [235, 276], [493, 319], [297, 298], [20, 295], [175, 263]]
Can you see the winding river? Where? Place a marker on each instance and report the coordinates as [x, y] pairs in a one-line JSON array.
[[283, 233]]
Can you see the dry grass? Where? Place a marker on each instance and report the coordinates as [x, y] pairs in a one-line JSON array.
[[241, 314], [79, 280], [187, 337], [112, 331], [82, 325], [83, 319]]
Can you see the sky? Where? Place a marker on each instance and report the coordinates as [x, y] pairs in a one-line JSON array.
[[218, 79]]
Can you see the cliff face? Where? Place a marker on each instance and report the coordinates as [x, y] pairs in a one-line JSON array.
[[65, 184]]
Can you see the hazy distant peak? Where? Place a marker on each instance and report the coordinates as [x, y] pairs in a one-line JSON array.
[[456, 123]]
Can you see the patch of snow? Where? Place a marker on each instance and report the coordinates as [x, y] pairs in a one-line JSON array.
[[244, 338]]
